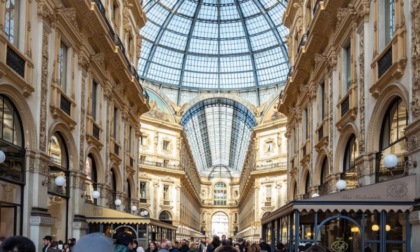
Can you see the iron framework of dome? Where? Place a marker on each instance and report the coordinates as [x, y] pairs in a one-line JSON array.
[[217, 45]]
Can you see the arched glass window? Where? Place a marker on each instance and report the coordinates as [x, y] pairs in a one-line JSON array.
[[350, 154], [165, 216], [220, 194], [59, 164], [324, 171], [295, 191], [393, 140], [91, 178], [11, 126]]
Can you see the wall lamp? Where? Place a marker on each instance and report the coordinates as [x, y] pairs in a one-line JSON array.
[[59, 181], [2, 157], [391, 161], [341, 184]]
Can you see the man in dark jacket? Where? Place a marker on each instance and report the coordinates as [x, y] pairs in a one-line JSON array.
[[123, 242], [264, 246]]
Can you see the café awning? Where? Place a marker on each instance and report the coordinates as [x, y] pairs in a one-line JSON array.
[[99, 214], [394, 195]]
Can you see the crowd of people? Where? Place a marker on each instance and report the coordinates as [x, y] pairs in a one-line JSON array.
[[125, 242]]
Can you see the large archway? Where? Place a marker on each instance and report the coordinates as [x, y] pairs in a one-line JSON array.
[[220, 224]]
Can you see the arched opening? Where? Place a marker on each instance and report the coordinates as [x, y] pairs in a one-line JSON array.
[[114, 188], [349, 162], [165, 216], [323, 187], [91, 179], [220, 224], [12, 170]]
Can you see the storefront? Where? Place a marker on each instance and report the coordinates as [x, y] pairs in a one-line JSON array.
[[374, 216], [110, 222]]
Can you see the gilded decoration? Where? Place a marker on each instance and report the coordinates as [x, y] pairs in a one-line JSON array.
[[44, 90], [415, 16], [362, 93]]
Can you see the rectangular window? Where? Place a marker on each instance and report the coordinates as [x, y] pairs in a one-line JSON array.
[[142, 159], [94, 100], [143, 140], [269, 146], [165, 163], [389, 20], [268, 193], [11, 21], [165, 145], [130, 136], [322, 100], [346, 68], [115, 133], [306, 123], [62, 67], [143, 191]]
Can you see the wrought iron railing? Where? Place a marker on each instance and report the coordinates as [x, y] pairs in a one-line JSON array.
[[385, 62], [15, 61], [143, 200], [281, 165], [345, 106], [65, 105]]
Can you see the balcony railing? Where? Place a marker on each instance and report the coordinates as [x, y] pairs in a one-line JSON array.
[[143, 200], [281, 165], [345, 106], [160, 164], [385, 62], [167, 202], [116, 39], [15, 61], [65, 105]]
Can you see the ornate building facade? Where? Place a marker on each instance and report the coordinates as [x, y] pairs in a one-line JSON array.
[[71, 102], [351, 105]]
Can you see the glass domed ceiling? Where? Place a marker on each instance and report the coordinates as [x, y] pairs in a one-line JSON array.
[[214, 45]]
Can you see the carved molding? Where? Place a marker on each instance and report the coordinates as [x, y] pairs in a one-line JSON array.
[[415, 40], [70, 14]]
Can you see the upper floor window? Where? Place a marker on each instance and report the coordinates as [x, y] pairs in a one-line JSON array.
[[11, 126], [130, 139], [165, 145], [268, 193], [386, 22], [322, 101], [143, 190], [95, 100], [394, 124], [307, 183], [166, 192], [220, 193], [62, 66], [346, 69], [143, 140], [115, 121], [269, 146], [11, 21], [306, 123], [324, 171]]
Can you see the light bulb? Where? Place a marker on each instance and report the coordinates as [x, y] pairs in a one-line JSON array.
[[60, 181], [133, 208], [387, 228], [341, 184], [2, 156], [96, 194], [390, 160], [375, 227]]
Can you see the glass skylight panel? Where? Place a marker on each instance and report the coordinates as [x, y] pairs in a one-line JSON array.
[[233, 46], [203, 80], [268, 3], [237, 80], [167, 75], [283, 31], [236, 64], [187, 8], [232, 30], [205, 30], [276, 13], [268, 58], [203, 46], [257, 24], [168, 57], [179, 24], [229, 12], [150, 31], [158, 15], [173, 40], [202, 64], [263, 40], [208, 12], [249, 8], [168, 3]]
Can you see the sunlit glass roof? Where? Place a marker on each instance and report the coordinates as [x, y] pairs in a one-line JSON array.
[[218, 131], [214, 45]]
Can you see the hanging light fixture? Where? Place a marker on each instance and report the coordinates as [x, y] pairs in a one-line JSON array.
[[133, 208], [117, 202]]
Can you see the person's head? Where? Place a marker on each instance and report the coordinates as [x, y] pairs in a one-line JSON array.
[[66, 245], [73, 240], [125, 239], [54, 244], [193, 245], [316, 248], [262, 240], [227, 248], [177, 244], [168, 244], [17, 244], [152, 246], [135, 244], [237, 246], [223, 237], [280, 246], [47, 240], [216, 241], [94, 240]]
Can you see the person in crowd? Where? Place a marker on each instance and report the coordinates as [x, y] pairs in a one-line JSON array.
[[94, 242], [60, 245], [280, 247], [2, 238], [264, 246], [72, 242], [226, 248], [152, 247], [17, 244], [223, 239], [193, 247], [184, 246], [140, 249], [66, 247], [135, 245], [214, 244], [202, 246], [165, 246], [316, 248], [253, 247], [237, 246], [173, 248], [47, 244], [123, 242]]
